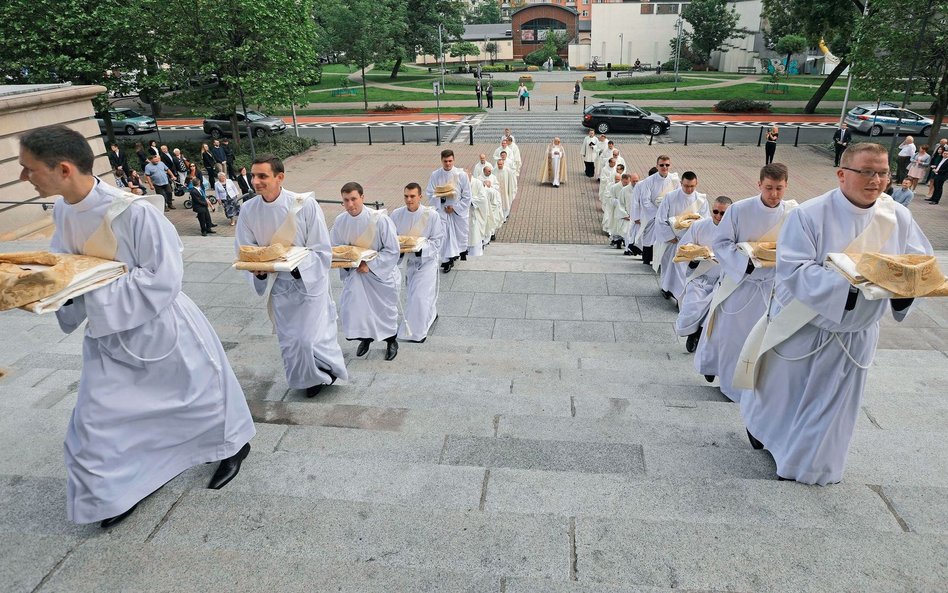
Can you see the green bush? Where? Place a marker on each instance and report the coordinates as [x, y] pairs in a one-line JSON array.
[[388, 107], [645, 79], [282, 146], [540, 56], [471, 82], [742, 106], [684, 65]]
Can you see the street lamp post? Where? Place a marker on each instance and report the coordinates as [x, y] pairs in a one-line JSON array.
[[678, 24], [621, 49]]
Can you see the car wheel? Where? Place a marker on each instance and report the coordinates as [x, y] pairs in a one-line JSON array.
[[260, 133], [926, 131], [655, 130], [216, 133], [602, 128], [129, 131], [875, 130]]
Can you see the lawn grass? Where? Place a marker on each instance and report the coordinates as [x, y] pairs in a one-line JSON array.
[[747, 91], [376, 94]]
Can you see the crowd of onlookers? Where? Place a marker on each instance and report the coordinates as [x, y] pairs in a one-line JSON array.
[[920, 164], [213, 179]]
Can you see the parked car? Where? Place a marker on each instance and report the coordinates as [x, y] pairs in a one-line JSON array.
[[127, 120], [873, 120], [261, 125], [619, 116]]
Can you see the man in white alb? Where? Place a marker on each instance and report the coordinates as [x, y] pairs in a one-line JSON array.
[[683, 201], [589, 150], [449, 192], [647, 196]]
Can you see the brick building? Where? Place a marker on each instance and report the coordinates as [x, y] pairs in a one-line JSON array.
[[531, 23]]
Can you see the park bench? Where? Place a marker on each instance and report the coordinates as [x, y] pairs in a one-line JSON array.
[[624, 73], [341, 92], [747, 70]]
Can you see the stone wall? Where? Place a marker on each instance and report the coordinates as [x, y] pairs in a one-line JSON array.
[[24, 108]]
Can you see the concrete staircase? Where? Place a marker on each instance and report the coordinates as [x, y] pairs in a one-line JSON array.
[[550, 436]]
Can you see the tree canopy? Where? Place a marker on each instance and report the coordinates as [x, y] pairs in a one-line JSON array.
[[485, 12], [712, 24]]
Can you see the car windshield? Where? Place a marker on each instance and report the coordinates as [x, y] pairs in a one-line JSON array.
[[127, 113], [255, 115], [858, 111]]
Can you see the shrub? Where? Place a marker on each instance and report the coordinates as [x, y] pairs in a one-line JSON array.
[[622, 66], [742, 106], [645, 79], [540, 56], [388, 107], [532, 69], [684, 65]]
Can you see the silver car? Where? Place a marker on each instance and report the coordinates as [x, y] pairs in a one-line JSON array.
[[218, 126], [127, 120], [874, 120]]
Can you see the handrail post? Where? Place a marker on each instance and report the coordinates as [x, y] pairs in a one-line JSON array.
[[333, 128]]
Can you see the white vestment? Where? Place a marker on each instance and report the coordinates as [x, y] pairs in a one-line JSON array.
[[601, 148], [491, 185], [609, 208], [507, 185], [649, 194], [809, 387], [675, 204], [589, 149], [477, 171], [696, 298], [369, 301], [510, 162], [303, 312], [515, 155], [455, 223], [157, 394], [479, 218], [607, 176], [622, 212], [747, 220], [421, 280]]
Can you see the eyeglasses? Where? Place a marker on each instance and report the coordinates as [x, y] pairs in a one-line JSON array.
[[664, 165], [721, 212], [869, 173]]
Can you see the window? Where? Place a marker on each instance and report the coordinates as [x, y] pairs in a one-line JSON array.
[[667, 9], [648, 9], [585, 13], [535, 31]]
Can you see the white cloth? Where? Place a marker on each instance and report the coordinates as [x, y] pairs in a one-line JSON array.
[[477, 171], [556, 157], [228, 189], [455, 223], [507, 185], [675, 204], [907, 150], [478, 219], [601, 147], [303, 312], [515, 156], [607, 177], [421, 271], [157, 394], [369, 301], [808, 391], [609, 208], [696, 297], [746, 220], [589, 149], [649, 193], [622, 211], [496, 219]]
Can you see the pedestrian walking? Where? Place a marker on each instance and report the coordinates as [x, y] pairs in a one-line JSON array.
[[770, 147], [490, 96], [576, 90], [477, 91], [522, 94]]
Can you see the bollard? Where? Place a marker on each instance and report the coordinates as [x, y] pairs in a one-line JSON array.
[[333, 128], [505, 103], [470, 132], [724, 136], [797, 139], [438, 134], [556, 104], [528, 103], [760, 136], [613, 98], [403, 135], [650, 137], [369, 130], [686, 134], [584, 102]]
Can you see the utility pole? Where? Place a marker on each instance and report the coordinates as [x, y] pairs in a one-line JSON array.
[[678, 24], [441, 52]]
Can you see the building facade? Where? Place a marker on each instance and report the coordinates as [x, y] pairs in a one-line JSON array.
[[531, 24]]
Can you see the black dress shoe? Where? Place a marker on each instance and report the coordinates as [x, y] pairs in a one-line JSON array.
[[757, 445], [203, 234], [392, 350], [464, 255], [171, 208], [228, 468], [627, 252], [113, 521], [211, 232], [363, 348], [691, 344], [666, 294], [709, 378], [213, 225]]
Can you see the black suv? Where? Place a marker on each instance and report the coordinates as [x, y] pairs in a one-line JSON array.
[[619, 116]]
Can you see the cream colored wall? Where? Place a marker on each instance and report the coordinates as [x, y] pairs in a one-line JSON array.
[[743, 53], [504, 52], [69, 105]]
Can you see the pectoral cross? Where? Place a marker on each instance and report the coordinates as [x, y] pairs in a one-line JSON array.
[[747, 365]]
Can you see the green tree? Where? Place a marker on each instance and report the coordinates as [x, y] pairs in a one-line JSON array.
[[420, 34], [893, 55], [791, 44], [830, 20], [485, 12], [261, 51], [49, 41], [367, 31], [492, 48], [712, 24], [463, 49]]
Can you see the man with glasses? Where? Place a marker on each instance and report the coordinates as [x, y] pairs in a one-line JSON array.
[[684, 200], [699, 285], [648, 194], [808, 388], [741, 296]]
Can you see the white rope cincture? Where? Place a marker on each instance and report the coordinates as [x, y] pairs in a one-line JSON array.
[[832, 336], [160, 358]]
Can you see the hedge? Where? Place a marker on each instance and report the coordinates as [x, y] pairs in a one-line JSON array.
[[742, 106], [644, 79]]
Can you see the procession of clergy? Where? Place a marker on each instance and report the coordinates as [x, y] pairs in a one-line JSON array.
[[157, 394], [786, 336]]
